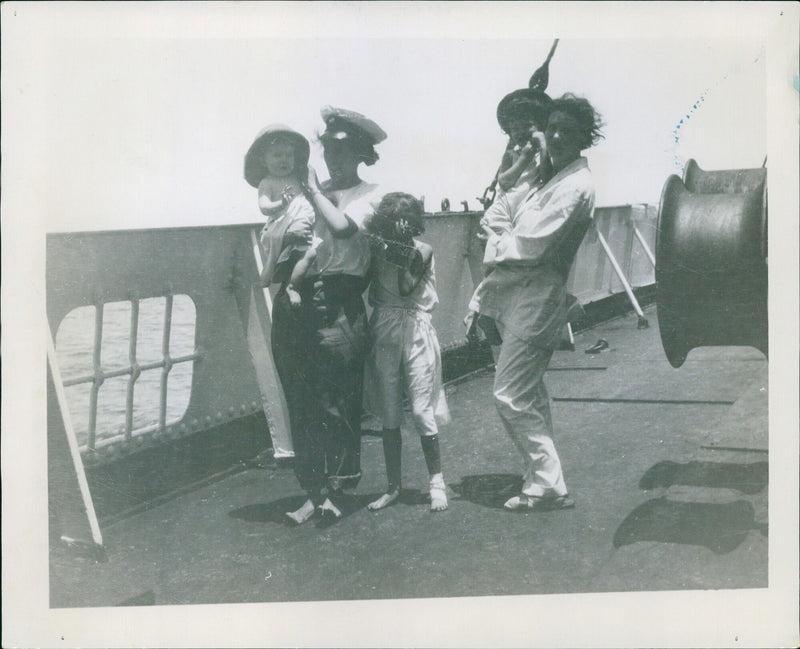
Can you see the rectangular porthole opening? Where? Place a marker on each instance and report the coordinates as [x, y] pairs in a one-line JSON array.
[[127, 367]]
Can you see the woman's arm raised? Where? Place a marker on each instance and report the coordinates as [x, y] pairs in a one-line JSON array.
[[341, 225]]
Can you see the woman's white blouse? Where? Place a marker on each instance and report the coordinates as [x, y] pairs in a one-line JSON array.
[[525, 291], [351, 255], [538, 217]]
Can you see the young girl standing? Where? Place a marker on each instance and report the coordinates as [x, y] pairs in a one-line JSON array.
[[405, 354]]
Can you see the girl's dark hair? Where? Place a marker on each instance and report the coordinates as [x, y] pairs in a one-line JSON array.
[[394, 207], [584, 113]]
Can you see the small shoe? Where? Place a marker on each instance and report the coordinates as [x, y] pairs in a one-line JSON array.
[[329, 510], [600, 346], [328, 513]]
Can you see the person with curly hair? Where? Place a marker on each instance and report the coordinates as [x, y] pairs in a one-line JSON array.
[[405, 356], [522, 302]]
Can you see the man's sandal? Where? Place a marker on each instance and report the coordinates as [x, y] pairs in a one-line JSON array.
[[523, 502]]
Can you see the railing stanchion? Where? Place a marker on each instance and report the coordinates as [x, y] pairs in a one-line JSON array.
[[634, 302], [646, 248]]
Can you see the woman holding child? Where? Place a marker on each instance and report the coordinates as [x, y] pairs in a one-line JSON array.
[[339, 336], [533, 231], [319, 334]]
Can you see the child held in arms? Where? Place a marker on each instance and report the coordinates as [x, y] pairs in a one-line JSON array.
[[275, 163]]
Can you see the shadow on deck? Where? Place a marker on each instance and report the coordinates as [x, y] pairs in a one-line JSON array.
[[668, 468]]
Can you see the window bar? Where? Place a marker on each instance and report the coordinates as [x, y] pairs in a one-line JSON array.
[[134, 373], [126, 371], [98, 375], [162, 411]]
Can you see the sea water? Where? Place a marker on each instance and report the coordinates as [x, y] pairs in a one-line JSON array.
[[75, 342]]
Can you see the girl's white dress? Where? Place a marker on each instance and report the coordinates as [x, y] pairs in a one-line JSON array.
[[405, 355]]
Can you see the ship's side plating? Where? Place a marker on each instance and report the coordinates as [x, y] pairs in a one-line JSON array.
[[233, 379]]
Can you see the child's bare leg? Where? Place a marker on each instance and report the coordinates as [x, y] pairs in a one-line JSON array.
[[392, 447], [433, 460], [298, 275]]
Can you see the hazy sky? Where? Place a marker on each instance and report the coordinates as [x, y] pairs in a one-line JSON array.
[[147, 117]]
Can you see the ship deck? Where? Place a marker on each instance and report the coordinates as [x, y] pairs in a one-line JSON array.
[[668, 468]]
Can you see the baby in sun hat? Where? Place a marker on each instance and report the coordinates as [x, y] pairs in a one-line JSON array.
[[523, 115], [275, 164]]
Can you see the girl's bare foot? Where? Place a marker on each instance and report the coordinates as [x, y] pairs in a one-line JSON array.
[[438, 493], [385, 500]]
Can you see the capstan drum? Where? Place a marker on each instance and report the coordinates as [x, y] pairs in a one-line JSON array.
[[711, 260]]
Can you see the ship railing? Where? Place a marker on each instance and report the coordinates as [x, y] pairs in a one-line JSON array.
[[216, 271]]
